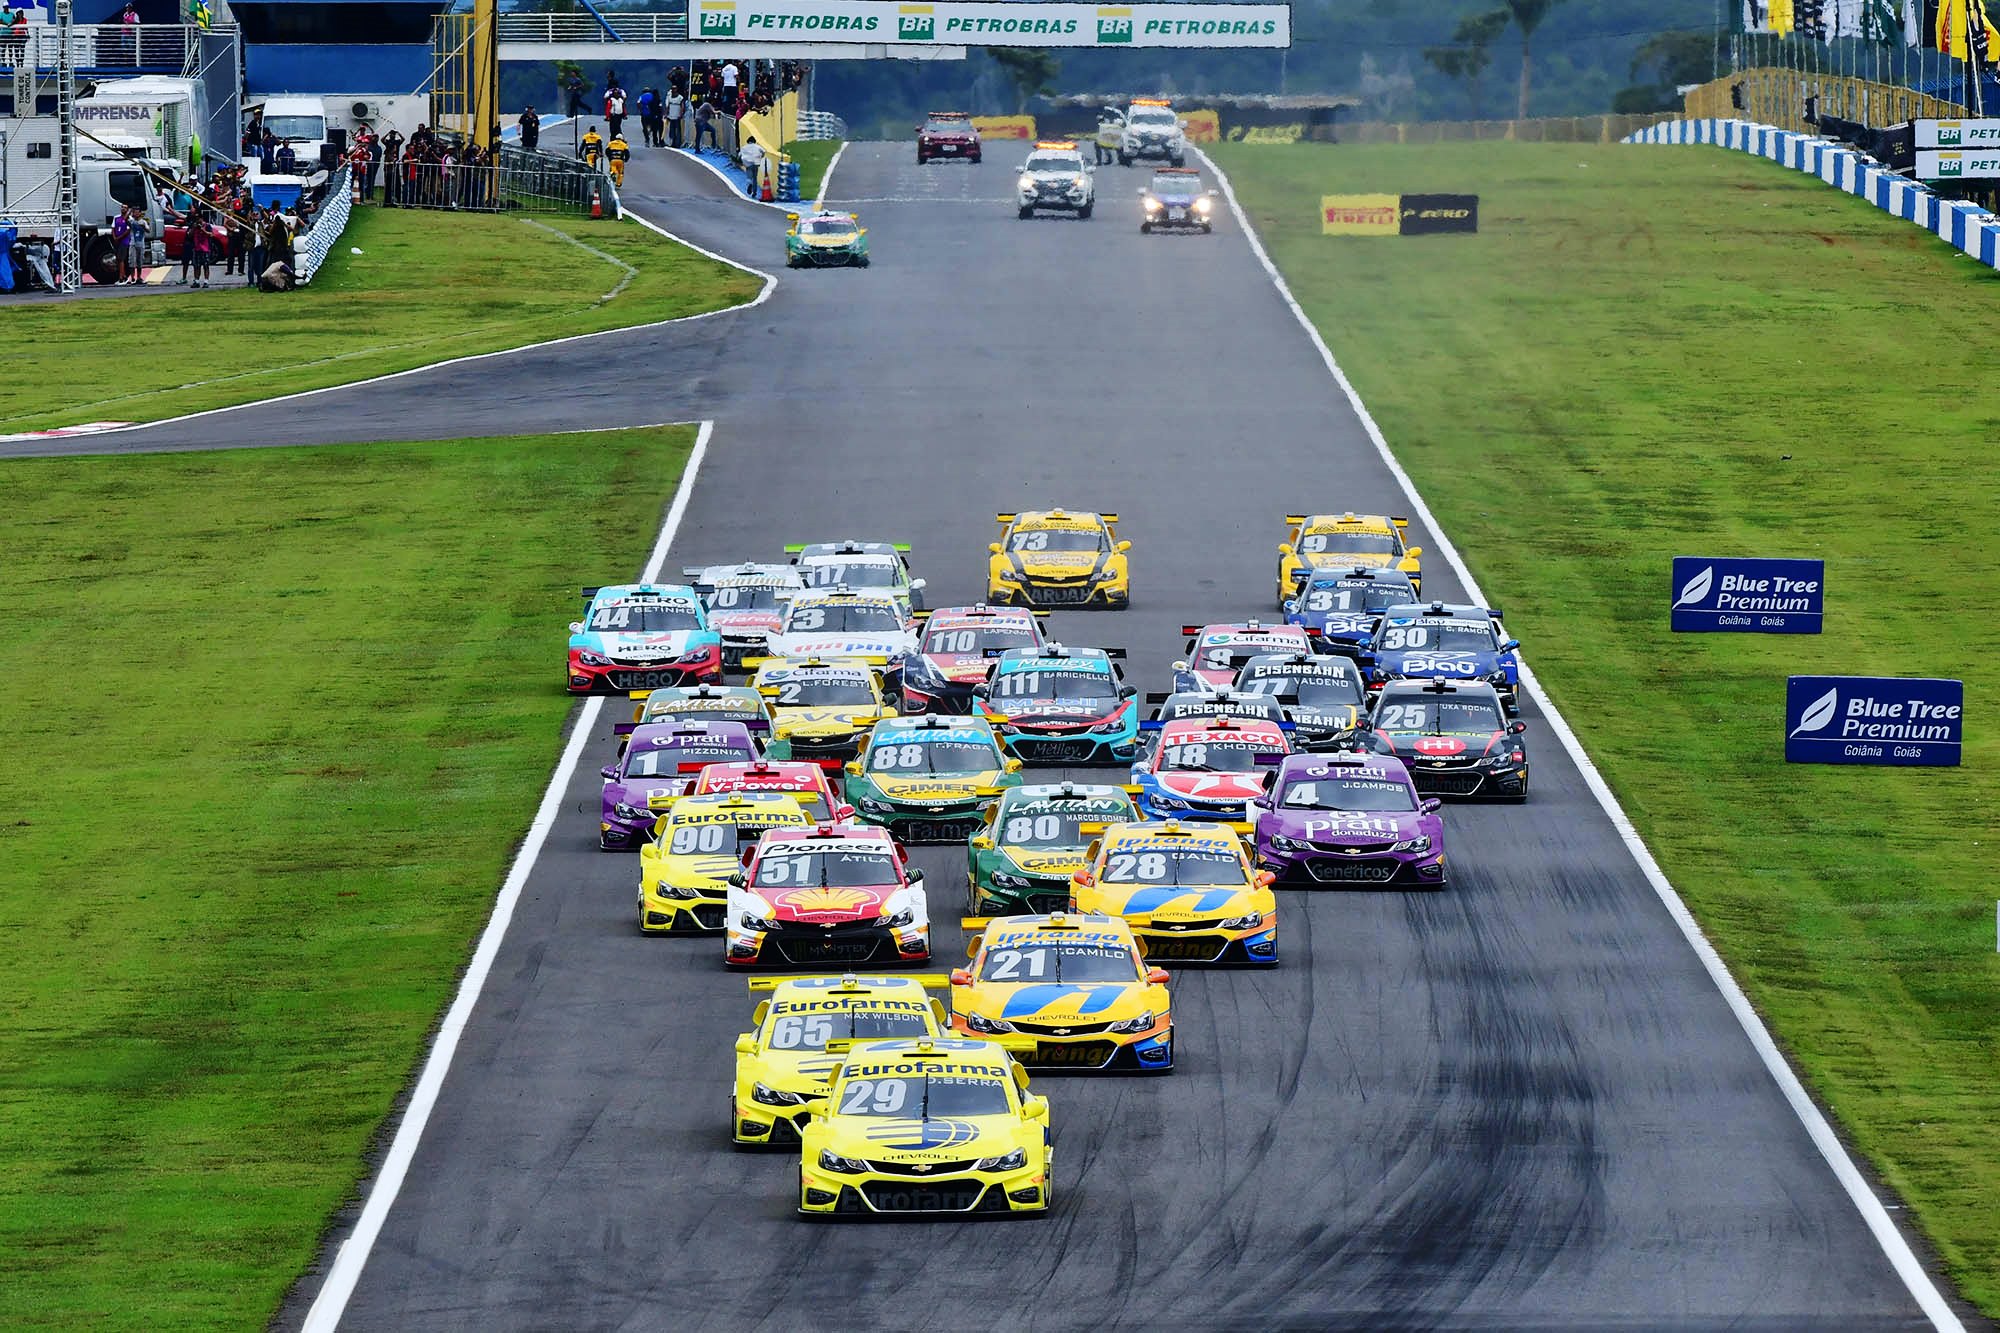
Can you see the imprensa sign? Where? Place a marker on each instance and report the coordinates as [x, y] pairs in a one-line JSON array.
[[990, 23], [1873, 720], [1747, 596]]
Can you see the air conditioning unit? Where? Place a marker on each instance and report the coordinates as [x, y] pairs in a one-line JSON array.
[[366, 111]]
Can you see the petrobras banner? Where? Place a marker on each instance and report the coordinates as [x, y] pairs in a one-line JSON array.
[[1949, 164], [1743, 596], [1941, 133], [1874, 720], [990, 23]]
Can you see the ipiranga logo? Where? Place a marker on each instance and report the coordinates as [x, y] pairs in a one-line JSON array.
[[916, 23], [718, 18], [1818, 713], [1695, 591], [1114, 25]]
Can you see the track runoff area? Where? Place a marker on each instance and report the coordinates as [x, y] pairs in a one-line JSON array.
[[1524, 1101]]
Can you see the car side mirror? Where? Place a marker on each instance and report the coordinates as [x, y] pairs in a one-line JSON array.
[[1034, 1108], [1414, 550], [1128, 691], [1013, 766], [994, 547], [1284, 548], [576, 627], [1291, 606], [609, 772], [1156, 976], [1517, 727], [736, 879], [1266, 878], [746, 1045], [1510, 645], [1262, 802], [1083, 879], [916, 584], [980, 692], [960, 977], [1122, 547], [853, 768], [979, 842], [842, 813], [660, 826], [1432, 805]]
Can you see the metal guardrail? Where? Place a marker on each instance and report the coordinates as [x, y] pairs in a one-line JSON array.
[[520, 181], [612, 28], [821, 125], [109, 47]]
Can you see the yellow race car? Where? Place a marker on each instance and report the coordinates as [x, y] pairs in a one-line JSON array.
[[1344, 541], [1058, 557], [926, 1125], [683, 871], [1189, 891], [784, 1066], [1075, 986], [821, 708]]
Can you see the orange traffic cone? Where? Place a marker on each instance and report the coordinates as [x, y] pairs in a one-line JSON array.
[[596, 202], [765, 193]]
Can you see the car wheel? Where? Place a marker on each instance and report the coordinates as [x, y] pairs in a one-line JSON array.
[[100, 261], [1084, 212], [1124, 159], [861, 262], [1145, 228], [1178, 161], [1026, 213], [1207, 229]]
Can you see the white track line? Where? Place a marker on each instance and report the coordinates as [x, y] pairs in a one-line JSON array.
[[1893, 1244], [770, 285], [827, 175], [338, 1287]]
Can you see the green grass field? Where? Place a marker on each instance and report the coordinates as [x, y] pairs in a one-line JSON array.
[[426, 287], [1652, 351], [813, 157], [240, 873]]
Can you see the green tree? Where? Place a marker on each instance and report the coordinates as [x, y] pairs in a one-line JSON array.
[[1527, 15], [1470, 53], [1032, 71]]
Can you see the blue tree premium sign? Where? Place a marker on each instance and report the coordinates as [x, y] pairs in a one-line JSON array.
[[1873, 720], [1723, 594]]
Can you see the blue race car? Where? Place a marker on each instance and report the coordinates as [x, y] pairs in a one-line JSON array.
[[1058, 705], [1339, 607], [1444, 641], [642, 636], [1176, 201]]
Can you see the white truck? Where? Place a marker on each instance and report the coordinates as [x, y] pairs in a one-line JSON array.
[[167, 115], [105, 183]]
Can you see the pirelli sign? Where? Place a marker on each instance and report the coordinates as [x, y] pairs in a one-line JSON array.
[[1397, 214], [990, 23]]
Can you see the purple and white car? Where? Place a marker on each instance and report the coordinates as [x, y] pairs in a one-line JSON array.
[[662, 760], [1349, 818]]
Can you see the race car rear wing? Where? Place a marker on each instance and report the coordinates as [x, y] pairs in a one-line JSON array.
[[1114, 654], [860, 981]]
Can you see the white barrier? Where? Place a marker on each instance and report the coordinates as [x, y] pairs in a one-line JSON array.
[[317, 243], [1963, 226]]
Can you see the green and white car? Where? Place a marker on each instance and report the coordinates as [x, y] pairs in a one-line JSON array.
[[928, 778], [826, 239], [1035, 838]]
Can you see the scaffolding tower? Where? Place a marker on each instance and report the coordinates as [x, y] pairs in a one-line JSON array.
[[57, 217]]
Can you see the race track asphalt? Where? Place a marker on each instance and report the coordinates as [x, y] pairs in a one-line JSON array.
[[1517, 1104]]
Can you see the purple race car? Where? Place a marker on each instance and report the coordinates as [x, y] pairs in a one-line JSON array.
[[661, 760], [1349, 819]]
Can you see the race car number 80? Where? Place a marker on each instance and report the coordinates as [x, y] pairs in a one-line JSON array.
[[1037, 828]]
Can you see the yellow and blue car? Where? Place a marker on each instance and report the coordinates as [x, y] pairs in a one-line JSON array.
[[1058, 557], [1077, 986], [1034, 839], [1344, 541], [821, 707], [928, 778], [826, 239], [685, 868], [1189, 891], [784, 1066], [926, 1125]]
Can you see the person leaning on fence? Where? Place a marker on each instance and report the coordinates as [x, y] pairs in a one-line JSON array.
[[392, 168], [704, 123], [17, 35]]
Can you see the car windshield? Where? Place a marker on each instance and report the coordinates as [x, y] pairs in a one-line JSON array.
[[947, 125], [1469, 717], [691, 711], [838, 617], [1229, 656], [1348, 792], [1172, 182], [297, 127], [1056, 539], [867, 572], [1152, 115], [814, 806], [644, 618], [827, 227], [666, 760], [1035, 960], [1050, 162], [1055, 823], [703, 835], [1215, 756], [1191, 866], [1353, 595], [893, 755], [1348, 541], [1313, 690], [1042, 683], [857, 866], [824, 692], [1450, 636], [746, 597], [977, 638], [811, 1032], [927, 1096]]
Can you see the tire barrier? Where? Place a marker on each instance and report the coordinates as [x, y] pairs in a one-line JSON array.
[[1963, 226], [312, 248]]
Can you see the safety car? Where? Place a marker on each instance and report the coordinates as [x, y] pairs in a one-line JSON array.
[[1176, 201], [927, 779], [1215, 652], [1152, 130], [1339, 607], [1344, 541], [1444, 641], [1062, 705], [873, 627], [953, 654], [1189, 892], [947, 136], [826, 239], [802, 780], [927, 1126], [834, 895], [1324, 695], [745, 604], [1055, 176], [878, 567], [1456, 739], [1349, 819], [783, 1064], [1208, 768], [695, 847], [1033, 840], [636, 636], [1058, 557], [821, 708], [1077, 985], [659, 763]]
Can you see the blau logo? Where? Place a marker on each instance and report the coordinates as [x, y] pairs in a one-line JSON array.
[[1874, 720], [1747, 596]]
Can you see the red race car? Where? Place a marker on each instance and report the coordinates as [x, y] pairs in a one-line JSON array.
[[838, 895], [1210, 768]]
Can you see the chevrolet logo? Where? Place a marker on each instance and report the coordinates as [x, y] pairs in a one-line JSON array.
[[921, 1167], [1179, 925], [1062, 1032]]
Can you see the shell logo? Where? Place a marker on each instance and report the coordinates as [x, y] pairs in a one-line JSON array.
[[828, 900]]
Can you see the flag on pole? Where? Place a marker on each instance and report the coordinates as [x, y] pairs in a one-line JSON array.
[[201, 14], [1781, 20]]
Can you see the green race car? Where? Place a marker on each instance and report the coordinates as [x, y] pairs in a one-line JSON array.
[[1034, 840], [928, 779], [825, 239]]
